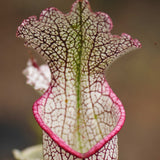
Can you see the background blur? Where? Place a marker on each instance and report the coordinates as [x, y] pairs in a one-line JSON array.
[[135, 78]]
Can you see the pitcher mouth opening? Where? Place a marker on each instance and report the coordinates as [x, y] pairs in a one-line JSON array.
[[62, 144]]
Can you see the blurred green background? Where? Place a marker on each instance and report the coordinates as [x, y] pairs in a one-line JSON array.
[[135, 78]]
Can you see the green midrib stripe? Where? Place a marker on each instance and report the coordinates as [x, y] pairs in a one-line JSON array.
[[78, 77]]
